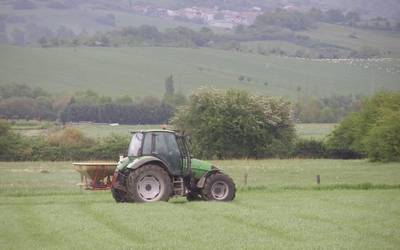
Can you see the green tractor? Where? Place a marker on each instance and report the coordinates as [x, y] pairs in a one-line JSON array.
[[159, 165]]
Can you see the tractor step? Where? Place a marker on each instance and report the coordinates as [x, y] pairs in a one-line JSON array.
[[178, 185]]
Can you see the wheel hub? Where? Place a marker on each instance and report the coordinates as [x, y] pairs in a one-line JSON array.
[[149, 187], [219, 190]]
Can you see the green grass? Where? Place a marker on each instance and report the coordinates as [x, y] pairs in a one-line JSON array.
[[47, 211], [314, 130], [337, 35], [34, 128], [340, 35], [142, 71]]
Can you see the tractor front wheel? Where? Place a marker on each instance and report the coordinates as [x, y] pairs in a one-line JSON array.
[[118, 195], [149, 183], [219, 187]]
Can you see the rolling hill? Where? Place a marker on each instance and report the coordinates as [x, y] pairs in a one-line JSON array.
[[141, 71]]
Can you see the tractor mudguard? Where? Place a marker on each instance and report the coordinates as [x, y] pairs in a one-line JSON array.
[[200, 183], [138, 162]]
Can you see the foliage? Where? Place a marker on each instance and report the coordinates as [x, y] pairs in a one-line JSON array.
[[148, 111], [69, 137], [234, 124], [12, 145], [383, 140], [310, 148], [170, 96], [20, 101], [326, 109], [372, 131], [281, 18]]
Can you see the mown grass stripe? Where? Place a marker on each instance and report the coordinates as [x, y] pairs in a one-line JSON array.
[[361, 186]]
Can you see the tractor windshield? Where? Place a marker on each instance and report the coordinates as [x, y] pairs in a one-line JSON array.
[[135, 145]]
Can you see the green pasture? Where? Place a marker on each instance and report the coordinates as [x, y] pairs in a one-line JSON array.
[[341, 36], [314, 130], [41, 207], [141, 71], [34, 128]]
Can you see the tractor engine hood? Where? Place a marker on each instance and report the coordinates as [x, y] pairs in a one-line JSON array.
[[199, 167]]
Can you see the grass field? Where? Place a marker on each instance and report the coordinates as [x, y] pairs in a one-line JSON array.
[[340, 35], [314, 130], [279, 208], [34, 128], [142, 71]]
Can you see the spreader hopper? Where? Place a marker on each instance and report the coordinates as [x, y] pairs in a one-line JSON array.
[[95, 175]]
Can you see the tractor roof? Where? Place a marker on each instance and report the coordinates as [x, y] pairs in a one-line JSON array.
[[154, 130]]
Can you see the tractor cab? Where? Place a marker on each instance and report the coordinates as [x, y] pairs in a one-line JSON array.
[[168, 146]]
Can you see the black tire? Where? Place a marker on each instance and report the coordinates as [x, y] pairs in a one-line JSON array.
[[119, 195], [219, 187], [149, 183]]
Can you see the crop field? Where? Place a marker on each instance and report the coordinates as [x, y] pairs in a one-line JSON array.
[[142, 70], [356, 206]]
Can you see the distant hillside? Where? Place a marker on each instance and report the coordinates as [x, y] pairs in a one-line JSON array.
[[141, 71]]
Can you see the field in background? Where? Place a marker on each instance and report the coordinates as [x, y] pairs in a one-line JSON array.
[[34, 128], [314, 130], [280, 207], [337, 35], [142, 70], [85, 19]]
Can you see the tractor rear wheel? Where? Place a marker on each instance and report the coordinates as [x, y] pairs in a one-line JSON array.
[[149, 183], [219, 187]]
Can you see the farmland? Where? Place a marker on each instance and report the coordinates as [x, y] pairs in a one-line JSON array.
[[280, 207], [141, 71], [34, 128]]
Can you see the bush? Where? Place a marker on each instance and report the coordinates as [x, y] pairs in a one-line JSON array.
[[383, 141], [310, 148], [371, 132], [69, 137], [71, 144], [110, 148], [12, 146], [235, 124]]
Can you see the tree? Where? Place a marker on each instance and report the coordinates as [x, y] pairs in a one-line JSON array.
[[373, 131], [43, 42], [169, 86], [352, 18], [18, 37], [235, 124], [169, 90], [382, 143], [12, 146], [334, 16]]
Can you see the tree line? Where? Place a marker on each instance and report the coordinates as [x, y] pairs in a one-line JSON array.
[[273, 25], [19, 101], [233, 124]]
